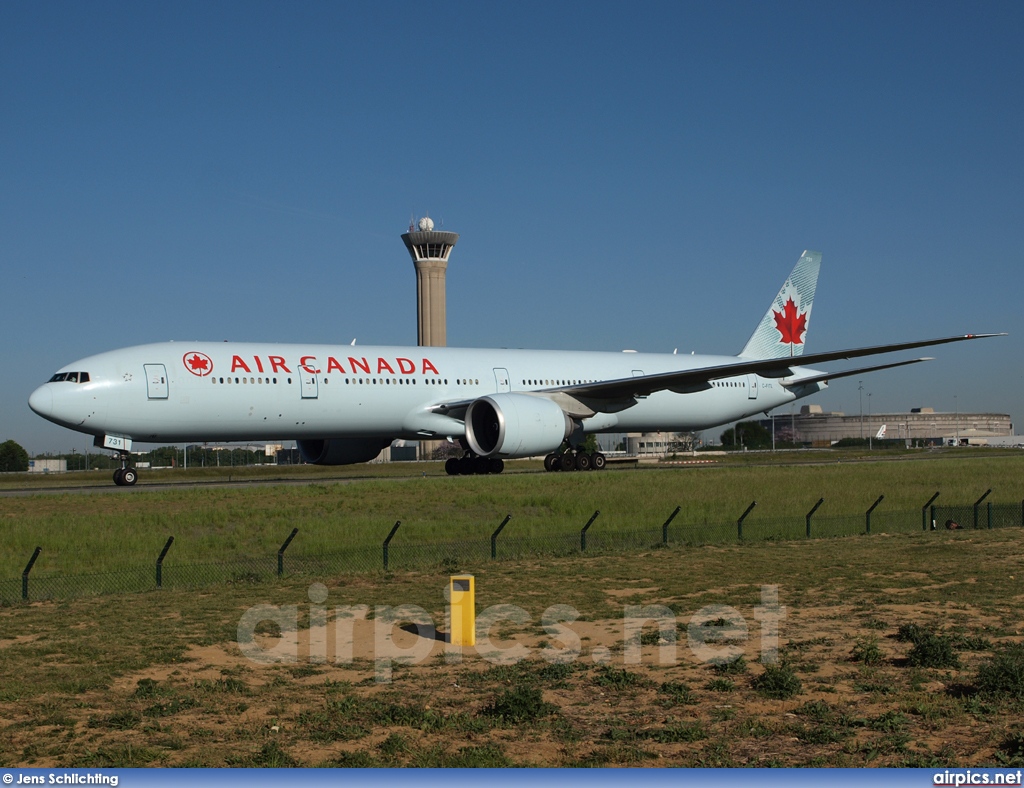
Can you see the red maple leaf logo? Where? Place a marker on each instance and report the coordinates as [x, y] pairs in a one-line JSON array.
[[198, 364], [790, 324]]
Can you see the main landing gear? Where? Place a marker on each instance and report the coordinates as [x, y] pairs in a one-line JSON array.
[[471, 464], [125, 476], [570, 460]]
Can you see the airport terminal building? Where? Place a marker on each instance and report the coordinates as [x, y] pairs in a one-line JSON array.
[[920, 425]]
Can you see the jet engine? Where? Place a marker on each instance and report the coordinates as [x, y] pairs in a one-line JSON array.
[[515, 425], [340, 451]]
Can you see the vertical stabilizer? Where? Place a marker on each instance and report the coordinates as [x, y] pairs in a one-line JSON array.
[[783, 329]]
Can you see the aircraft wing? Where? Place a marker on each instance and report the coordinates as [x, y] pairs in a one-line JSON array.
[[615, 395], [794, 382], [699, 378]]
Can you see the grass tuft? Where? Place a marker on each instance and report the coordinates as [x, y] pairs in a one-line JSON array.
[[519, 705], [1003, 674], [933, 651], [866, 650], [269, 756], [778, 682], [930, 649], [676, 693], [619, 678]]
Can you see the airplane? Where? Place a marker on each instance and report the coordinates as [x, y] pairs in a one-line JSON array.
[[343, 404]]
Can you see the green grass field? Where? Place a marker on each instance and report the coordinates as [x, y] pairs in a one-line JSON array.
[[112, 529]]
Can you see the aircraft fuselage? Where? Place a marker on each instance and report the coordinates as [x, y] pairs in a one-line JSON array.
[[216, 391]]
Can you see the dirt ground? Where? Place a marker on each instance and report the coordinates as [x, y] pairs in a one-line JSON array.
[[641, 671], [602, 718]]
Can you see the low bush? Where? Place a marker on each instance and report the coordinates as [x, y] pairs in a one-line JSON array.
[[867, 651], [933, 651], [519, 704], [1003, 674], [778, 681]]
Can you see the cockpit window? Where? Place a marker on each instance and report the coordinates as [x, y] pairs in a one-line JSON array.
[[70, 377]]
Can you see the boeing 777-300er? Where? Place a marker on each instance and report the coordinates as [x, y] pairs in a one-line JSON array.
[[343, 404]]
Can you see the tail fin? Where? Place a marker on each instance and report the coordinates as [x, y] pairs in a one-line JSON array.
[[783, 329]]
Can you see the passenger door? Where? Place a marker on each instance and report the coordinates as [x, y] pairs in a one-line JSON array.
[[308, 384], [156, 381]]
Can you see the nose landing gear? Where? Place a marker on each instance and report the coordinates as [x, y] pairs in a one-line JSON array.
[[125, 476]]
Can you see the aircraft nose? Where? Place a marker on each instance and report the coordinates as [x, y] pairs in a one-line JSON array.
[[41, 401]]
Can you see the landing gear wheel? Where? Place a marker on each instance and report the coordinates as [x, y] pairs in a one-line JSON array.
[[583, 461], [451, 466], [465, 466], [125, 475], [597, 461], [566, 462], [551, 462], [497, 465]]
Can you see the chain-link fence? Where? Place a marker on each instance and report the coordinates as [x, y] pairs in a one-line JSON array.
[[983, 515], [462, 556]]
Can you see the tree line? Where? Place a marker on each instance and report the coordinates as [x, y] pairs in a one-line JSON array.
[[14, 458]]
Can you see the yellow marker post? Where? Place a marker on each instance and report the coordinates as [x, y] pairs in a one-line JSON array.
[[462, 601]]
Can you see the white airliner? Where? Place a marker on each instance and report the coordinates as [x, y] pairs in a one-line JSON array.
[[344, 404]]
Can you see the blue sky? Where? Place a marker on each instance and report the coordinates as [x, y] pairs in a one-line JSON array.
[[621, 176]]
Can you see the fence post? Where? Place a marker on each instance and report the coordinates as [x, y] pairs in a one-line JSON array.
[[664, 527], [160, 562], [867, 516], [977, 503], [924, 512], [739, 523], [933, 516], [583, 533], [494, 536], [989, 505], [280, 552], [819, 503], [28, 568], [388, 541]]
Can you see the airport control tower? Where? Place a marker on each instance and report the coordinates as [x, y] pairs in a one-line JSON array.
[[429, 249]]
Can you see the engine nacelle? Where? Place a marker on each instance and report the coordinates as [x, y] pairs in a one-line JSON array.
[[515, 425], [340, 451]]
